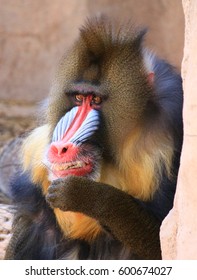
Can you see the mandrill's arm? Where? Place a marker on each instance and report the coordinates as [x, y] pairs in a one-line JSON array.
[[114, 209]]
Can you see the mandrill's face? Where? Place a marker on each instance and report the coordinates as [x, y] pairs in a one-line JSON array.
[[72, 151], [97, 99]]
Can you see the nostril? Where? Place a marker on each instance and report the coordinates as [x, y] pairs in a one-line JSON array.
[[64, 150], [58, 148]]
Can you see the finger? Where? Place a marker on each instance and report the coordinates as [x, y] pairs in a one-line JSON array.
[[52, 189], [51, 198]]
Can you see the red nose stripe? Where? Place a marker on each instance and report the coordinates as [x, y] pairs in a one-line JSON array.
[[81, 114]]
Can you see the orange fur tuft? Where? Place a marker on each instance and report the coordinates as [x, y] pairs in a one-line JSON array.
[[77, 225]]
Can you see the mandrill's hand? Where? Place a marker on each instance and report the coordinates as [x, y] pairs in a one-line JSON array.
[[72, 193]]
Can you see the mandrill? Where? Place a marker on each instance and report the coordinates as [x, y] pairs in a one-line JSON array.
[[99, 175]]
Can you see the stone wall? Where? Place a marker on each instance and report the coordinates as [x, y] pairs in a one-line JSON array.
[[179, 229]]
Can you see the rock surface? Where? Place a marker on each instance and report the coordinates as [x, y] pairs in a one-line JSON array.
[[178, 232], [6, 219], [9, 164]]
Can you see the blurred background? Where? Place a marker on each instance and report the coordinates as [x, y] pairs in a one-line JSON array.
[[34, 35]]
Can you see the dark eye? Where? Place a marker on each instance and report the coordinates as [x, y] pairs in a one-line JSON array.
[[79, 98], [96, 100]]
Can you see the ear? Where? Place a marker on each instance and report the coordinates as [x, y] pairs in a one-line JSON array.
[[151, 78]]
